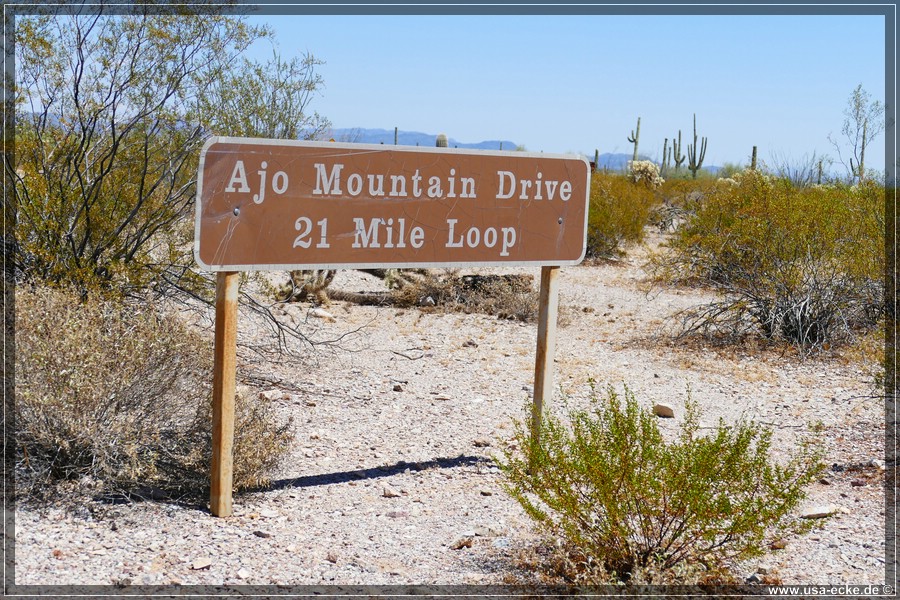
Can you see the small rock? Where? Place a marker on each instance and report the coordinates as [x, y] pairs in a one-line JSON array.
[[331, 557], [877, 463], [82, 512], [779, 544], [243, 574], [397, 387], [482, 442], [389, 492], [857, 482], [820, 512], [487, 493], [470, 344], [322, 314], [663, 410], [201, 563], [396, 514], [427, 301], [262, 534], [272, 395], [825, 481], [464, 542], [755, 578]]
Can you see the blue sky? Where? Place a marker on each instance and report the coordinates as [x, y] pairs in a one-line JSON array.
[[579, 83]]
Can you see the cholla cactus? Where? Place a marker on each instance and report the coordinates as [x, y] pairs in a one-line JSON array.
[[740, 177], [646, 172]]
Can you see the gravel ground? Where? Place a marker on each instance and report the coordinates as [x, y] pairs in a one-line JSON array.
[[391, 480]]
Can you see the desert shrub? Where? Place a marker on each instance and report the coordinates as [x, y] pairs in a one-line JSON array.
[[630, 506], [504, 296], [618, 211], [729, 170], [801, 264], [119, 395], [677, 195]]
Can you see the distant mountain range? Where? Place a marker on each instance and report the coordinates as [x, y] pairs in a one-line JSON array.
[[612, 162], [412, 138]]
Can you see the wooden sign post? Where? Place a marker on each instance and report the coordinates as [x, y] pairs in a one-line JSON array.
[[224, 373], [546, 346], [285, 205]]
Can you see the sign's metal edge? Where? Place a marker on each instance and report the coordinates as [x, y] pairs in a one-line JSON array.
[[389, 265], [393, 148], [198, 205]]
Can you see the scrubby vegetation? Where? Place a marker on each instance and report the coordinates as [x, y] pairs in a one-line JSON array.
[[119, 396], [628, 505], [799, 264], [504, 296], [620, 206], [111, 389]]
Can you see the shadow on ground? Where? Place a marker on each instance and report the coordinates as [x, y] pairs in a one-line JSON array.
[[374, 472]]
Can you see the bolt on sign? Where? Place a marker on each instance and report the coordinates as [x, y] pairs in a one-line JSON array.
[[278, 204]]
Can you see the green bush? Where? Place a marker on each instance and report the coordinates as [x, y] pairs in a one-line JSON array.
[[631, 506], [801, 264], [120, 395], [678, 195], [618, 211]]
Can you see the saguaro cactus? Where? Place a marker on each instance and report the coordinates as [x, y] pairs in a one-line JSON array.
[[753, 159], [634, 138], [664, 164], [395, 136], [677, 156], [441, 141], [694, 163]]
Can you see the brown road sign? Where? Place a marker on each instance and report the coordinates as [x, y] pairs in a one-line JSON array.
[[279, 204]]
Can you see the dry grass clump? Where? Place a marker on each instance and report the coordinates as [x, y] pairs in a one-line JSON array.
[[504, 296], [118, 395]]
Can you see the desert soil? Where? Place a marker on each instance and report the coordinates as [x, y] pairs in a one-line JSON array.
[[391, 479]]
